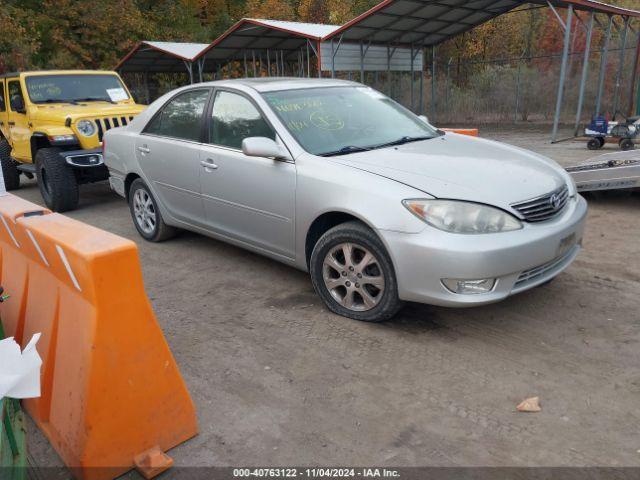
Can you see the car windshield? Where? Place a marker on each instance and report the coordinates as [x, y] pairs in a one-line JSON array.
[[75, 88], [340, 120]]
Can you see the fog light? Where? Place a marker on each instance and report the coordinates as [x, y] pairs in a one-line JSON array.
[[469, 287]]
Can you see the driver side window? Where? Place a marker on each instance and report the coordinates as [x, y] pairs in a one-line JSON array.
[[235, 118], [16, 100]]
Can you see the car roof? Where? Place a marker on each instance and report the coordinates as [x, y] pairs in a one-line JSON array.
[[274, 84], [57, 72]]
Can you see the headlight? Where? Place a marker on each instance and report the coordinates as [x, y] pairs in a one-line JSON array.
[[86, 127], [462, 217]]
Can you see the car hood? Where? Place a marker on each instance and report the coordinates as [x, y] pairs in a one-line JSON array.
[[464, 168], [58, 114]]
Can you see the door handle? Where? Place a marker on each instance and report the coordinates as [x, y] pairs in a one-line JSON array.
[[144, 149], [12, 123], [209, 164]]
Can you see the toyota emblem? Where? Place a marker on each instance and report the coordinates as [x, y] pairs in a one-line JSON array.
[[554, 201]]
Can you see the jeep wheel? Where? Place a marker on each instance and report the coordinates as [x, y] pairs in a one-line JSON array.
[[57, 182], [9, 171]]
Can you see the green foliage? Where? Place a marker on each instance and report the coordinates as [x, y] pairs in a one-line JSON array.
[[96, 33]]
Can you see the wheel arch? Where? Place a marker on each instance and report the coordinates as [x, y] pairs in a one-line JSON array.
[[38, 141], [325, 222], [129, 179]]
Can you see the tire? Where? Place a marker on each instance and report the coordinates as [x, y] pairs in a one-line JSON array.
[[627, 144], [148, 221], [593, 144], [9, 167], [328, 267], [601, 141], [56, 180]]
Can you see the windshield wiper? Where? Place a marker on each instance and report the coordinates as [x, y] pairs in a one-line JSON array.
[[95, 99], [402, 141], [345, 151]]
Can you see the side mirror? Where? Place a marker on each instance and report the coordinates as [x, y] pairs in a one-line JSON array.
[[264, 147], [425, 119]]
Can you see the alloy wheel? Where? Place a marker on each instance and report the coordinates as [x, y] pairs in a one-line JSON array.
[[144, 211], [353, 276]]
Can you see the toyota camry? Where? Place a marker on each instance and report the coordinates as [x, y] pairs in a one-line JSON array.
[[334, 178]]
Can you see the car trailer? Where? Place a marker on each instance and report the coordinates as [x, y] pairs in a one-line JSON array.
[[600, 131], [611, 171]]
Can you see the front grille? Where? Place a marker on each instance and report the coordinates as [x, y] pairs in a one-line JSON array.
[[107, 123], [545, 207], [535, 273]]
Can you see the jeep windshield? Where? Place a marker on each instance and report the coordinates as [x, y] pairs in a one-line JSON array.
[[335, 121], [74, 88]]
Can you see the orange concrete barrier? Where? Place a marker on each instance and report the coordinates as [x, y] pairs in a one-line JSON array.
[[111, 390], [472, 132]]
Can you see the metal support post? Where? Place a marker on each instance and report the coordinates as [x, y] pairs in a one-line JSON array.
[[389, 55], [603, 66], [634, 76], [421, 100], [412, 94], [253, 62], [447, 91], [563, 72], [433, 83], [361, 62], [585, 72], [189, 67], [623, 49]]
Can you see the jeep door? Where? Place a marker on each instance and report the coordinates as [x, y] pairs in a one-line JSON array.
[[17, 121], [250, 199], [168, 151]]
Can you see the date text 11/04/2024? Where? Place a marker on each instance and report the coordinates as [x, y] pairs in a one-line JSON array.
[[315, 473]]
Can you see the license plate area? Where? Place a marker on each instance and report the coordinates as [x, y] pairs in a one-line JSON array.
[[566, 244]]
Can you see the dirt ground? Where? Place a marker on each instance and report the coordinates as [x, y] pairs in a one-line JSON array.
[[278, 380]]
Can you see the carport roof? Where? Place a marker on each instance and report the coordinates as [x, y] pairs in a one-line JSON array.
[[259, 34], [430, 22], [165, 57]]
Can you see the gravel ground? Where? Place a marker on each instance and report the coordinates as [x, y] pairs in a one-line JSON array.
[[278, 380]]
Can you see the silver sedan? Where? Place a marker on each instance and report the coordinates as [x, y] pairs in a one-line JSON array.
[[336, 179]]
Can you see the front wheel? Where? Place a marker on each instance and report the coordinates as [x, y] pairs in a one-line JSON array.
[[352, 272], [146, 214], [594, 144], [56, 180]]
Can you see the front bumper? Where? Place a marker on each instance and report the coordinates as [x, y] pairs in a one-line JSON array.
[[519, 260]]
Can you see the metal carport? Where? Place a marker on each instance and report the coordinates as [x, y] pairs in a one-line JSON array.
[[164, 57], [427, 23], [270, 45]]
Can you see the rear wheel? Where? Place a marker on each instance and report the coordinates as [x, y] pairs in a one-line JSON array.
[[56, 180], [146, 214], [352, 272], [627, 144], [9, 166]]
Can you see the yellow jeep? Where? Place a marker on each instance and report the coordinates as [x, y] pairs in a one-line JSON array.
[[51, 127]]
